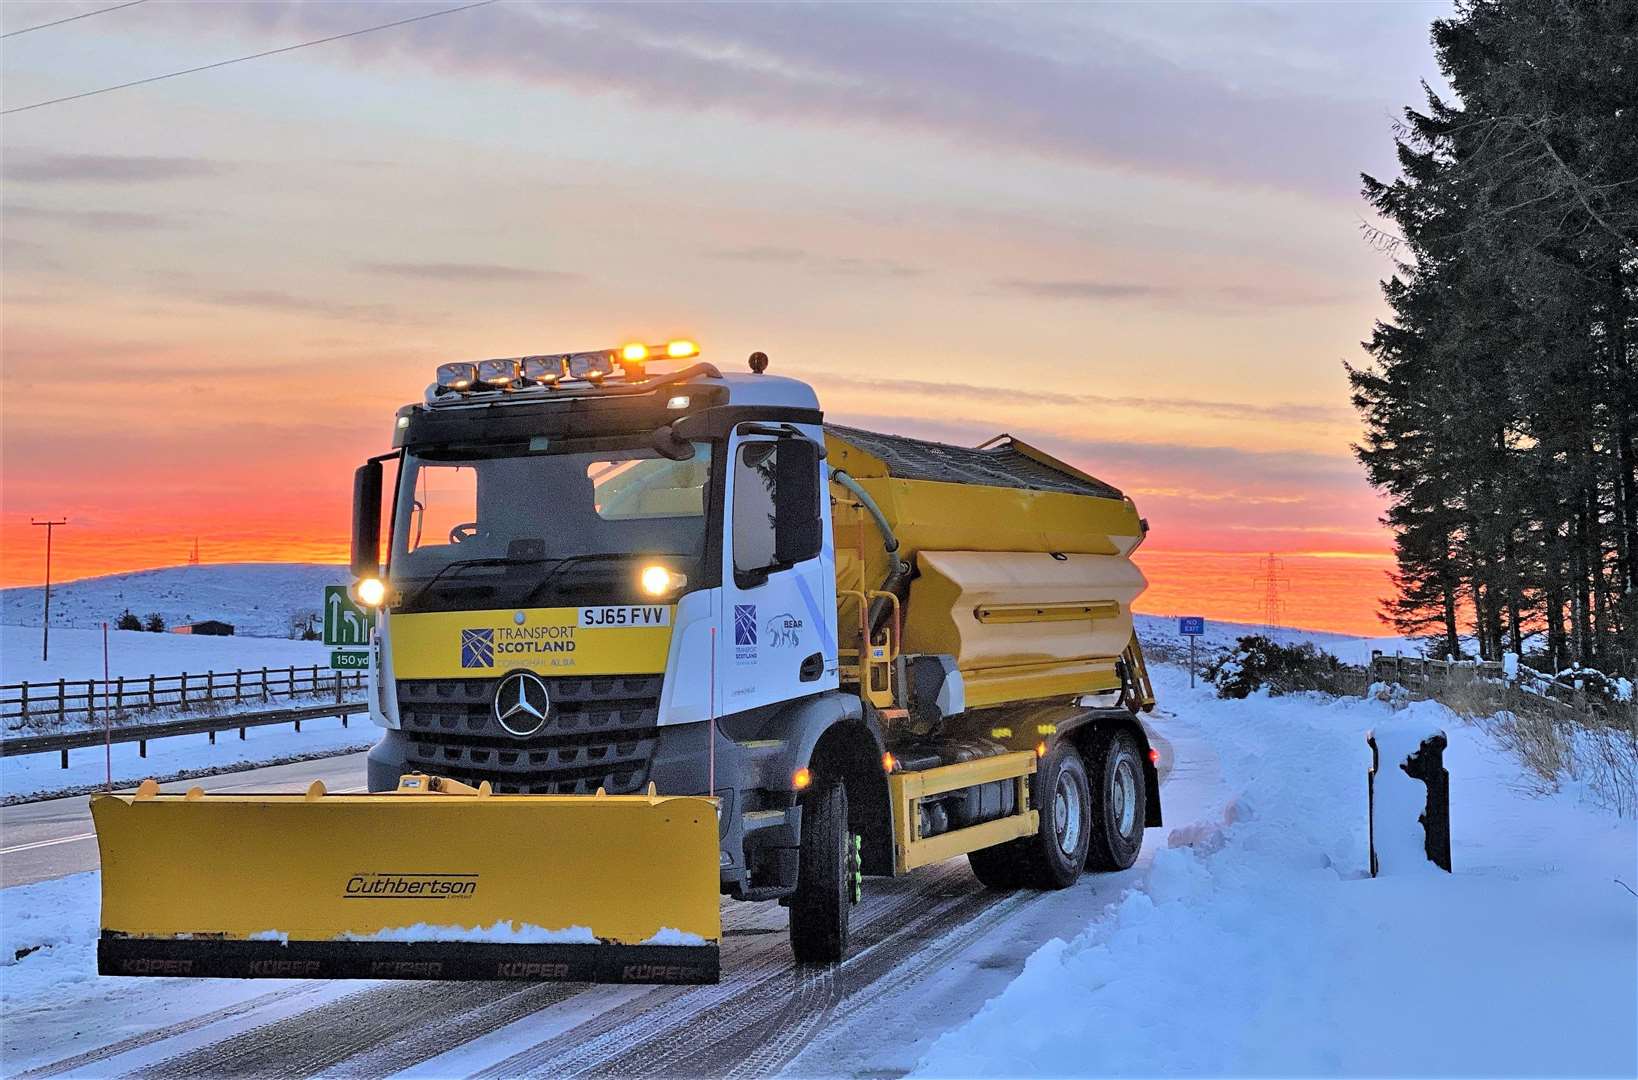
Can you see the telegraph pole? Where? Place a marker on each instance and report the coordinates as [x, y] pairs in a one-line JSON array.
[[45, 630]]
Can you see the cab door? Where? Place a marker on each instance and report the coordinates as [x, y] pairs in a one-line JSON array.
[[778, 639]]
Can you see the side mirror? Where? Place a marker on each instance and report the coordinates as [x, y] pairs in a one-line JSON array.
[[798, 530], [367, 520]]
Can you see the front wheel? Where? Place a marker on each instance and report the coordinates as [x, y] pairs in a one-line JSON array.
[[826, 878]]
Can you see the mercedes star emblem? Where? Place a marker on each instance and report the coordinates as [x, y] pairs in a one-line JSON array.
[[521, 703]]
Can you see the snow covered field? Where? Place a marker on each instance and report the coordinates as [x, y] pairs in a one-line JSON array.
[[77, 654], [1258, 945], [259, 599]]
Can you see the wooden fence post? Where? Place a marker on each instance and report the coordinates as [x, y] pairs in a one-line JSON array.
[[119, 695], [25, 701], [290, 687], [238, 684], [90, 700], [184, 689], [264, 682], [62, 697], [153, 696]]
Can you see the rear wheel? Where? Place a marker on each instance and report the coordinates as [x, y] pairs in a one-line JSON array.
[[826, 879], [1054, 856], [1120, 798]]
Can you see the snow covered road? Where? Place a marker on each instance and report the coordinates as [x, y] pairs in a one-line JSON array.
[[53, 838], [1247, 940]]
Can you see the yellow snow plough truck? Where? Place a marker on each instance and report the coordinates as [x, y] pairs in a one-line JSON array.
[[650, 633]]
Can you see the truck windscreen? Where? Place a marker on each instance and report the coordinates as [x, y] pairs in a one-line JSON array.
[[511, 526]]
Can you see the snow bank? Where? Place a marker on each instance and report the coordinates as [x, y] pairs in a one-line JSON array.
[[1258, 945], [1400, 800]]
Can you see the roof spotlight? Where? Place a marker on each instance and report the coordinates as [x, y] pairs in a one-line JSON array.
[[591, 366], [457, 376], [542, 370], [498, 373]]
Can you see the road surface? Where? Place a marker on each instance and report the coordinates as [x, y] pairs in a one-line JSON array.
[[53, 837], [928, 950]]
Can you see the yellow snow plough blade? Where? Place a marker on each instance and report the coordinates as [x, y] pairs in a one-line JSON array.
[[433, 881]]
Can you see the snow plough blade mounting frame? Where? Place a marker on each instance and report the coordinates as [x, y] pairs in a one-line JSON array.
[[435, 880]]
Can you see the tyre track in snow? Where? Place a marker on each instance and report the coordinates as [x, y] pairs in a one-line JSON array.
[[182, 1028], [754, 1023], [373, 1031]]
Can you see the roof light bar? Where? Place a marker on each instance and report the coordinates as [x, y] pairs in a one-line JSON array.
[[630, 360]]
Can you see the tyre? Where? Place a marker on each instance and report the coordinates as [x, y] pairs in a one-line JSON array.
[[1054, 856], [1001, 867], [825, 878], [1120, 798], [1057, 853]]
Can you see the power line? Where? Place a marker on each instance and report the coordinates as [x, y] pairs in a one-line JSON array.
[[71, 18], [242, 59]]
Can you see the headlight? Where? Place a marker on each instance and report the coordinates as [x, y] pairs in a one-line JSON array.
[[661, 581], [370, 591]]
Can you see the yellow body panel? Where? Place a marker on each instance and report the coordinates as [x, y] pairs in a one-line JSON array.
[[337, 867], [551, 641], [1021, 624], [1024, 625], [907, 789]]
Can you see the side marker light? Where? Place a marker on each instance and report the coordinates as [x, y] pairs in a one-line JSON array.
[[801, 779]]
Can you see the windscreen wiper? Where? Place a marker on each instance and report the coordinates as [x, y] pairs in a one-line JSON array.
[[466, 564]]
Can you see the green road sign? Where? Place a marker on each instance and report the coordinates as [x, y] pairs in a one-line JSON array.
[[345, 623], [349, 660]]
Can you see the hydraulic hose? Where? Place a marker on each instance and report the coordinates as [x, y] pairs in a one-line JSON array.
[[897, 568]]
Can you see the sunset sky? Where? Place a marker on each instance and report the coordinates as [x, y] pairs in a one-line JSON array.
[[1130, 233]]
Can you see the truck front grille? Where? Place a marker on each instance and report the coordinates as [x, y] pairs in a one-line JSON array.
[[600, 733]]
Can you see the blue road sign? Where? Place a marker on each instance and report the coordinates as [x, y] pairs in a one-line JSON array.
[[1192, 625]]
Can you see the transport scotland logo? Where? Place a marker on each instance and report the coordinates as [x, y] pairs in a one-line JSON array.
[[477, 648], [744, 624]]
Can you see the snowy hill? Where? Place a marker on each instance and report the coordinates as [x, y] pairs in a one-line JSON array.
[[259, 599]]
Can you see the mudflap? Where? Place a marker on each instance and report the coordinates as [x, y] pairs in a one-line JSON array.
[[433, 881]]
